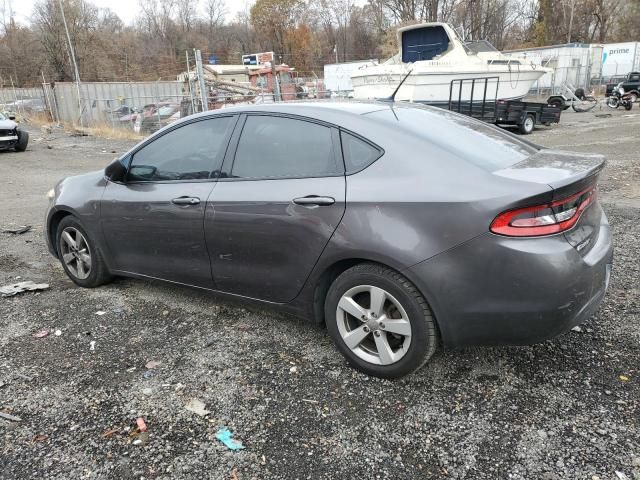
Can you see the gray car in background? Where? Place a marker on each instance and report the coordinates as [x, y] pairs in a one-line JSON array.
[[397, 226]]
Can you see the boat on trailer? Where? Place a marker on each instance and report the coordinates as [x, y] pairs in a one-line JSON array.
[[440, 63]]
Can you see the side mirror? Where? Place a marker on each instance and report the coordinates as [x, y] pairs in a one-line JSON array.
[[115, 171]]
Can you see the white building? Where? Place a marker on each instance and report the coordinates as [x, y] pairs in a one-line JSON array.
[[620, 58], [573, 64], [337, 76]]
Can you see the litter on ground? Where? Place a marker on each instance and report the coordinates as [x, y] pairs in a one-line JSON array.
[[15, 288], [197, 406], [224, 435], [18, 230]]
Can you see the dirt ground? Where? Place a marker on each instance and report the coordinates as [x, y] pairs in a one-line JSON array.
[[565, 409]]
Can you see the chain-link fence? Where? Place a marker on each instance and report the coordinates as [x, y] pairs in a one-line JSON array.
[[142, 107]]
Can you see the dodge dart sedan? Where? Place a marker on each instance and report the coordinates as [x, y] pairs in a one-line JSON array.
[[399, 227]]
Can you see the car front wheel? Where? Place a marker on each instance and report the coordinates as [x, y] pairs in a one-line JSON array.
[[379, 321], [80, 257]]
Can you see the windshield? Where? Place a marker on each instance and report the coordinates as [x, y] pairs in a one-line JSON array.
[[2, 117]]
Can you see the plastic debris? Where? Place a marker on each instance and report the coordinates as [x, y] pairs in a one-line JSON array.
[[108, 433], [198, 407], [224, 435], [41, 333], [18, 230], [92, 345], [148, 374], [57, 333], [622, 476], [624, 378], [293, 370], [14, 289], [153, 364], [11, 418], [100, 312], [141, 425], [577, 328]]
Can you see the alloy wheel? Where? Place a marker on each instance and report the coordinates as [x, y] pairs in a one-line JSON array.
[[373, 324], [76, 253]]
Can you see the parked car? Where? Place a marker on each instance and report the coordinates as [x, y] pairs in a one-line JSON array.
[[398, 226], [121, 111], [630, 84], [11, 136], [26, 104], [153, 117]]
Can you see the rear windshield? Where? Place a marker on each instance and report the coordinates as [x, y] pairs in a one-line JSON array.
[[482, 144]]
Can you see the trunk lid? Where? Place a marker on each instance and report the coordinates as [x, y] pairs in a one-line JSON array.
[[567, 174]]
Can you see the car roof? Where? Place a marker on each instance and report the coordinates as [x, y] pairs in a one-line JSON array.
[[327, 110]]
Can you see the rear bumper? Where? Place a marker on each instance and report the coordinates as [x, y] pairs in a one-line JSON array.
[[496, 290]]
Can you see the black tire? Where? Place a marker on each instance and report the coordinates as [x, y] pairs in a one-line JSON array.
[[628, 106], [557, 102], [23, 141], [613, 102], [423, 341], [528, 125], [98, 273]]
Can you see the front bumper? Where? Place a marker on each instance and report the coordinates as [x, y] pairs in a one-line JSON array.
[[7, 142], [496, 290]]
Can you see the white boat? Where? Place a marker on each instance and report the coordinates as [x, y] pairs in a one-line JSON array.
[[444, 67]]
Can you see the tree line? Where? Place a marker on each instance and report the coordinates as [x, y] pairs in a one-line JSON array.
[[305, 34]]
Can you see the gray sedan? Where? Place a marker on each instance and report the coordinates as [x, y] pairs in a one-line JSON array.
[[398, 227]]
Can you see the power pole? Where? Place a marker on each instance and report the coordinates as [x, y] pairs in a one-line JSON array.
[[73, 60], [204, 98]]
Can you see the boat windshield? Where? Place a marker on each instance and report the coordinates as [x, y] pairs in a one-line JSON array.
[[424, 43]]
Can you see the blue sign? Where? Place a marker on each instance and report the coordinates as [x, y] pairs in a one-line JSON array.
[[213, 60]]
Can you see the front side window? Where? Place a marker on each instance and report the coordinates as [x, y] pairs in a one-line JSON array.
[[278, 147], [189, 152]]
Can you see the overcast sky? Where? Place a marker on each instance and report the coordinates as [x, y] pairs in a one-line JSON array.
[[127, 10]]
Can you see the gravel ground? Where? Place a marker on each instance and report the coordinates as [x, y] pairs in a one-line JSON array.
[[565, 409]]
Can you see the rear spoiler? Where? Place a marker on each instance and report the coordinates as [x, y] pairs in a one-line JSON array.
[[564, 172]]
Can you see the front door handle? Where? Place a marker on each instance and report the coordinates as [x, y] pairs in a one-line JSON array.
[[311, 200], [186, 201]]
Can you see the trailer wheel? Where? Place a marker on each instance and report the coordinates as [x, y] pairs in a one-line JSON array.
[[556, 102], [527, 125]]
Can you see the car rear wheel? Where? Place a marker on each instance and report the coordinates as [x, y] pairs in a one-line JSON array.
[[80, 257], [23, 141], [379, 321]]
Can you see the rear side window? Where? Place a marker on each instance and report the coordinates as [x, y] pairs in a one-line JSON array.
[[189, 152], [279, 147], [482, 144], [358, 154]]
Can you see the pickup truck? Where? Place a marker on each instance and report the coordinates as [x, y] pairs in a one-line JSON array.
[[630, 83]]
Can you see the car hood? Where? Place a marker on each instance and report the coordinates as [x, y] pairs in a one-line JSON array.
[[7, 124]]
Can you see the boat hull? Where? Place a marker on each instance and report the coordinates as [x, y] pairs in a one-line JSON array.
[[437, 88]]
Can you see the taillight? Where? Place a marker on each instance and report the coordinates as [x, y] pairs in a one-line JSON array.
[[545, 219]]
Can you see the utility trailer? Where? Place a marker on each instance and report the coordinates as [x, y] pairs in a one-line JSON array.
[[469, 97]]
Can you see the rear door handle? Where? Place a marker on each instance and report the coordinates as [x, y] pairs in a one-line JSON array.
[[186, 201], [311, 200]]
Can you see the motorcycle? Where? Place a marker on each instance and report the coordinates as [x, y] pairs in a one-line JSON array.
[[621, 98]]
